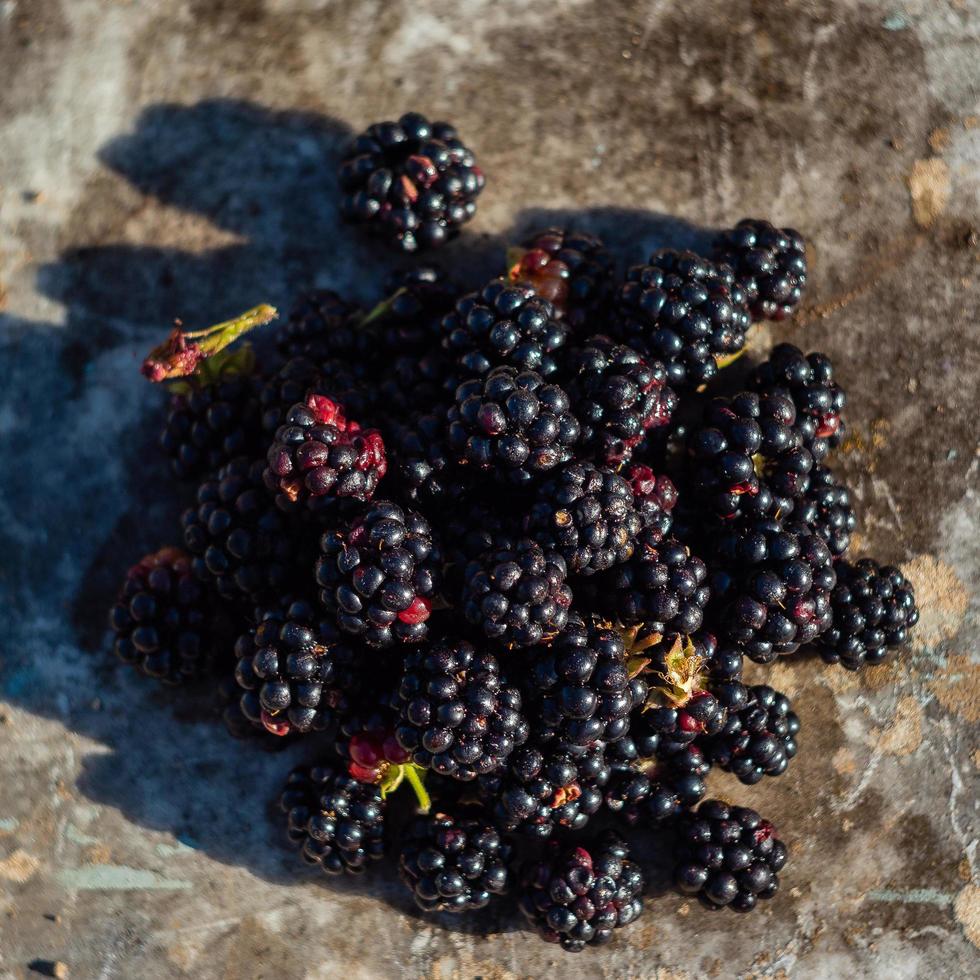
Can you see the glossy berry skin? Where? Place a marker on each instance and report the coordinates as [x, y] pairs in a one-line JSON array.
[[577, 896], [826, 507], [412, 182], [456, 716], [516, 594], [684, 311], [769, 263], [873, 609], [809, 381], [454, 863], [512, 425], [730, 857], [162, 618], [503, 324], [423, 465], [379, 575], [654, 498], [618, 398], [587, 515], [759, 738], [337, 821]]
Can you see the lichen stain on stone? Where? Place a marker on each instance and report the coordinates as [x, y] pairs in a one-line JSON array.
[[957, 689], [942, 599], [19, 867], [844, 762], [464, 963], [929, 190], [967, 908], [904, 735]]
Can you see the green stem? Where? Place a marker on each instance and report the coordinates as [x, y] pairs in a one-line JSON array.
[[421, 794]]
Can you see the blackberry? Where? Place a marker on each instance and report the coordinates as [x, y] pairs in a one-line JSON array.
[[367, 741], [769, 264], [730, 856], [504, 325], [516, 593], [685, 311], [573, 270], [587, 516], [294, 673], [239, 539], [826, 507], [323, 325], [654, 498], [617, 397], [412, 182], [337, 821], [747, 456], [379, 575], [457, 716], [873, 609], [662, 586], [758, 739], [454, 863], [576, 896], [772, 582], [423, 466], [809, 381], [512, 425], [319, 453], [410, 319], [163, 618], [291, 383], [416, 384]]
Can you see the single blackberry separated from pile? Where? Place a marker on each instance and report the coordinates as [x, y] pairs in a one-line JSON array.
[[872, 608], [731, 857], [769, 264], [577, 896], [412, 182], [454, 864]]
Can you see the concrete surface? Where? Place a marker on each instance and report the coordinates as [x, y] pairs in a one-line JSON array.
[[163, 158]]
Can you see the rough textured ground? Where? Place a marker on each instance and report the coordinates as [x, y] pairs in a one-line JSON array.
[[175, 158]]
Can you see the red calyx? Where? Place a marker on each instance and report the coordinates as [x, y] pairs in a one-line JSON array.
[[327, 412], [764, 831]]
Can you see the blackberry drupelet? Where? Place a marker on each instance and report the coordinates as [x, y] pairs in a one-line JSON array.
[[587, 515], [577, 896], [769, 265], [571, 269], [239, 539], [457, 716], [873, 609], [412, 182], [758, 739], [163, 618], [319, 453], [772, 582], [512, 425], [730, 856], [454, 863], [379, 575], [323, 325], [809, 381], [617, 397], [503, 325], [337, 821], [685, 311], [655, 498], [410, 318], [826, 507], [516, 593]]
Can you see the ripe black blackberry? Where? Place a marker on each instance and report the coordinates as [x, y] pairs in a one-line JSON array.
[[164, 618], [587, 515], [809, 381], [758, 739], [512, 425], [457, 716], [769, 265], [294, 672], [654, 498], [337, 821], [412, 182], [414, 384], [516, 593], [747, 456], [826, 507], [573, 270], [409, 320], [239, 539], [454, 863], [324, 325], [730, 856], [772, 583], [577, 896], [504, 325], [618, 398], [318, 453], [873, 609], [379, 575], [685, 311]]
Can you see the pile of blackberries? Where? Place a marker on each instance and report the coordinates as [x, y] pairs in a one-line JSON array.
[[462, 542]]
